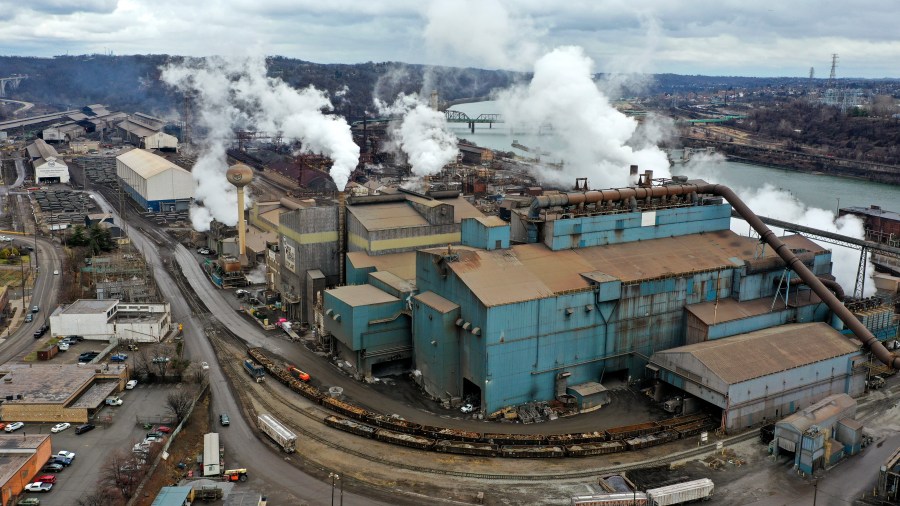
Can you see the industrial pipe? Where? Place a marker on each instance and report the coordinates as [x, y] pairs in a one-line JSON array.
[[765, 234], [831, 284]]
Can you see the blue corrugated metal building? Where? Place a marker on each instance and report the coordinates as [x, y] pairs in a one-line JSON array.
[[583, 296]]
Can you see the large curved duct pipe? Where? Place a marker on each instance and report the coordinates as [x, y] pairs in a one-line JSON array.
[[831, 284], [765, 234]]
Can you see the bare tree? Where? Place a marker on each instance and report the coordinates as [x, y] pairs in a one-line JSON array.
[[163, 356], [179, 403], [100, 497], [123, 472]]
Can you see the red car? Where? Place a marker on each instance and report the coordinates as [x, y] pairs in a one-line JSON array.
[[163, 429], [47, 478]]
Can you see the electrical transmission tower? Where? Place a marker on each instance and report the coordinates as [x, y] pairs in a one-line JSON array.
[[831, 77]]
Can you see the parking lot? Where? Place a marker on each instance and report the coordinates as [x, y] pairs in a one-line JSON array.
[[92, 449]]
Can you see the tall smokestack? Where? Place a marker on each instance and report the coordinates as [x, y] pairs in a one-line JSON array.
[[240, 176]]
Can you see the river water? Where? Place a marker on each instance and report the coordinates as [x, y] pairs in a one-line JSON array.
[[813, 190]]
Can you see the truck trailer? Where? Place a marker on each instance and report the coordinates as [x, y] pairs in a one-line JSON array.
[[271, 427], [255, 370]]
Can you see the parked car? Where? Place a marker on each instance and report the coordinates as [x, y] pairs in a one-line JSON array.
[[29, 318], [118, 357], [52, 467], [55, 272], [204, 365], [81, 429], [47, 478], [467, 408], [150, 440], [163, 429], [160, 360], [35, 309], [204, 251], [63, 346], [14, 426], [75, 338], [131, 384], [240, 292], [223, 419], [40, 332], [63, 461], [38, 487], [60, 427], [157, 435], [66, 454]]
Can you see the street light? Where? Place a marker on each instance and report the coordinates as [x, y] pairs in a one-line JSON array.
[[335, 477]]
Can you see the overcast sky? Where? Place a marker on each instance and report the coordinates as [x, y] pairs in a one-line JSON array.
[[713, 37]]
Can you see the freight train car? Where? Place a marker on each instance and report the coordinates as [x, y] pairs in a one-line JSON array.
[[631, 431], [395, 424], [399, 438], [351, 426], [589, 449], [532, 452], [648, 440], [271, 427], [515, 439], [344, 408], [467, 448], [682, 420], [681, 493], [612, 499]]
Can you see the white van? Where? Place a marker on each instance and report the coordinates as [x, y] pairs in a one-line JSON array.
[[130, 385]]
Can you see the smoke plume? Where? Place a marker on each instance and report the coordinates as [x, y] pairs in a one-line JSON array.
[[482, 31], [422, 135], [592, 138], [782, 205], [236, 94]]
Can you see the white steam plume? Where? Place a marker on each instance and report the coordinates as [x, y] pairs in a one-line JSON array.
[[482, 31], [593, 139], [236, 94], [423, 134], [782, 205]]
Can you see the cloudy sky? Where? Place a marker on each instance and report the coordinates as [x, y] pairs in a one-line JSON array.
[[717, 37]]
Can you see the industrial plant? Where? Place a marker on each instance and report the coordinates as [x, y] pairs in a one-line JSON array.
[[479, 306]]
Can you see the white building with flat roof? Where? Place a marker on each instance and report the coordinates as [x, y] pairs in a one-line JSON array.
[[104, 319]]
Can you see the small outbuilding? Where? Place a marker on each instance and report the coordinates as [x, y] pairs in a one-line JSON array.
[[821, 434], [48, 165]]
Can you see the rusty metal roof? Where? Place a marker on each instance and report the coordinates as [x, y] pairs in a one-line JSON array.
[[820, 412], [762, 352], [387, 216], [436, 302], [532, 271], [361, 295], [403, 265], [728, 309]]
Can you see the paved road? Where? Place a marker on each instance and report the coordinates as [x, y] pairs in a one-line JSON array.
[[281, 482]]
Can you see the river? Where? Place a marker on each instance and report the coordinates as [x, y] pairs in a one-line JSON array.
[[813, 190]]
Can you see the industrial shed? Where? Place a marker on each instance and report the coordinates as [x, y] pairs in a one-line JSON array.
[[821, 434], [780, 370], [145, 131], [48, 165], [154, 182]]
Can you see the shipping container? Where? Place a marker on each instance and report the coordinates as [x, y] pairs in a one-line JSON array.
[[48, 353]]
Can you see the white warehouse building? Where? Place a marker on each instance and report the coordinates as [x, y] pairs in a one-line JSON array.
[[104, 319], [48, 165], [155, 183]]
